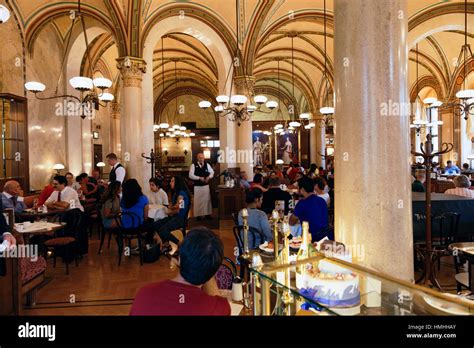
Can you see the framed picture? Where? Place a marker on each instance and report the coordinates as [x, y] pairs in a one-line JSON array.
[[287, 147], [261, 148]]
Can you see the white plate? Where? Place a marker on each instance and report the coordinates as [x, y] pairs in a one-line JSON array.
[[263, 247], [446, 307]]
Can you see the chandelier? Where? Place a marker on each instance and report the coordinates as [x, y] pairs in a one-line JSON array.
[[327, 111], [176, 131], [4, 14], [90, 97], [238, 107]]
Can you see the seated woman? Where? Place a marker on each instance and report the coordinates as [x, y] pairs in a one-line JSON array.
[[258, 182], [88, 189], [158, 195], [179, 207], [256, 219], [133, 201], [111, 204]]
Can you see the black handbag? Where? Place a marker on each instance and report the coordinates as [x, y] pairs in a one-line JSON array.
[[152, 254]]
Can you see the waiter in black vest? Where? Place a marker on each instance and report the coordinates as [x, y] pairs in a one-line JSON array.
[[117, 173], [201, 173]]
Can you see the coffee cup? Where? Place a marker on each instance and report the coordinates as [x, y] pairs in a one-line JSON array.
[[19, 227], [237, 290], [26, 224]]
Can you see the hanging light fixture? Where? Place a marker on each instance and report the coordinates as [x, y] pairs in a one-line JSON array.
[[238, 108], [90, 97], [326, 110], [4, 14]]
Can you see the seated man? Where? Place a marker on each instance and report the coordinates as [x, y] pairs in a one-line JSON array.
[[244, 180], [200, 256], [275, 193], [63, 197], [12, 196], [313, 209], [451, 168], [420, 177], [463, 184]]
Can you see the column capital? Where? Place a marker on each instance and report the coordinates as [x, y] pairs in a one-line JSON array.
[[132, 69], [115, 110], [244, 84]]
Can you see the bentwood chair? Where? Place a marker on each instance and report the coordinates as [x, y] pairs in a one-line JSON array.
[[238, 235], [65, 241], [127, 234], [226, 274], [463, 278]]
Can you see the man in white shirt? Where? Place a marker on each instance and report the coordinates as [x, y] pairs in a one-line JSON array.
[[462, 183], [63, 197], [117, 173], [12, 196], [201, 173]]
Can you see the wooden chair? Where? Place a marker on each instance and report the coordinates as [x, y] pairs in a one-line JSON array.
[[127, 234], [65, 241], [237, 230]]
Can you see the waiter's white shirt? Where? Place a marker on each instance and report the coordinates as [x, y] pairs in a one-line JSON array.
[[119, 172], [67, 195], [193, 168]]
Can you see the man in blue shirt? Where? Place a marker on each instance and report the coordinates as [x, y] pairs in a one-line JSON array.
[[12, 196], [313, 209], [451, 168]]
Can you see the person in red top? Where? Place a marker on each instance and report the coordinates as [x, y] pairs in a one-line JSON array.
[[47, 191], [200, 256]]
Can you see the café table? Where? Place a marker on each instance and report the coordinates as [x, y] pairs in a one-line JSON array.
[[157, 211], [36, 228], [35, 215]]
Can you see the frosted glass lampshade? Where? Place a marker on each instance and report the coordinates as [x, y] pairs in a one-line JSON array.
[[58, 166], [278, 126], [81, 83], [102, 83], [107, 97], [182, 128], [279, 161], [260, 99], [219, 108], [156, 127], [192, 134], [327, 110], [307, 126], [4, 14], [164, 125], [222, 99], [238, 99], [100, 164], [295, 124], [305, 116], [272, 104], [420, 122], [35, 87], [204, 104], [251, 108], [162, 135], [465, 94], [176, 126], [437, 104], [430, 100]]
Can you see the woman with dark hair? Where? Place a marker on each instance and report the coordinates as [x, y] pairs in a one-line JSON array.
[[133, 201], [257, 183], [158, 195], [110, 202], [256, 218], [177, 213], [313, 171]]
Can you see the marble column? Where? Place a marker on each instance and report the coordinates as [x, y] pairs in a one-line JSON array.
[[373, 213], [115, 129], [244, 85], [317, 143], [133, 129]]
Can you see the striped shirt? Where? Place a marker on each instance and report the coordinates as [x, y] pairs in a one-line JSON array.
[[460, 191]]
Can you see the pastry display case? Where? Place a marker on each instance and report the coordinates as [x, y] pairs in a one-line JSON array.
[[327, 284]]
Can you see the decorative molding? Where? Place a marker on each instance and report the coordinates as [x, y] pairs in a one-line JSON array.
[[244, 85], [132, 70]]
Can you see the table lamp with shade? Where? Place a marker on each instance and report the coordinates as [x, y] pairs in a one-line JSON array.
[[100, 165], [58, 167]]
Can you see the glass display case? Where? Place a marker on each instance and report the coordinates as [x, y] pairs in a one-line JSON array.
[[326, 284]]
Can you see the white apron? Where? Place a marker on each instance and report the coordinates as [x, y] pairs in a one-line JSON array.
[[202, 201]]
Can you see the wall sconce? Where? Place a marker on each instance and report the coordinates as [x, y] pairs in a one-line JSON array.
[[185, 152], [58, 167], [100, 164], [95, 135]]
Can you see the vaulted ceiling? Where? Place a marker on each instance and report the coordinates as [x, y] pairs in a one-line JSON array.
[[282, 38]]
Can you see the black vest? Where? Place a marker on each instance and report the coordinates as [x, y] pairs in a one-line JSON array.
[[112, 175], [201, 172]]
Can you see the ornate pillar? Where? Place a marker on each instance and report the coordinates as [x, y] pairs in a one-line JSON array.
[[244, 85], [115, 145], [133, 126], [317, 143], [372, 146]]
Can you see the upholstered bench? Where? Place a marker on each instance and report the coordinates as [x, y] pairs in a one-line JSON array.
[[32, 275]]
